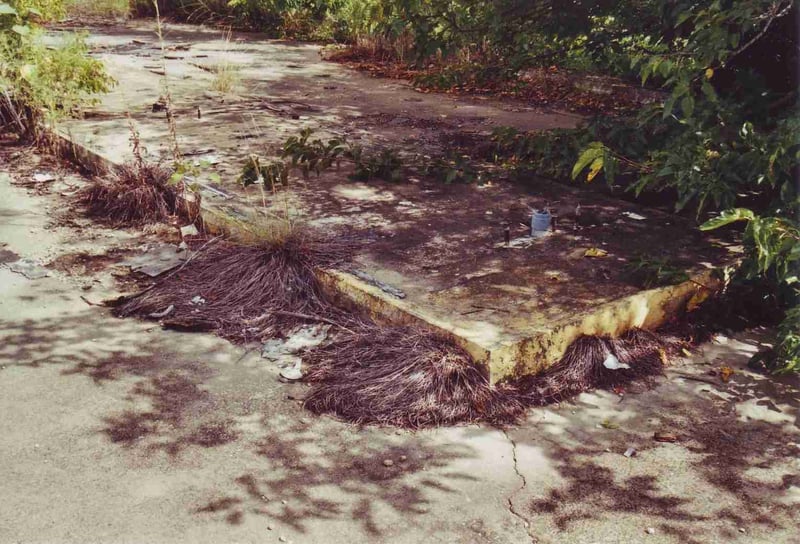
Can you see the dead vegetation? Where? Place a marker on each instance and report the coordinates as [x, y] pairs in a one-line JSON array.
[[583, 367], [411, 378], [135, 194], [246, 292], [404, 377], [368, 373]]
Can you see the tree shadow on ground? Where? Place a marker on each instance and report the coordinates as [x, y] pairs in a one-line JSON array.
[[172, 410], [735, 466], [295, 471], [321, 472]]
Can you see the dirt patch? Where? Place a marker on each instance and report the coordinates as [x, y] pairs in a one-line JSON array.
[[548, 87], [86, 264]]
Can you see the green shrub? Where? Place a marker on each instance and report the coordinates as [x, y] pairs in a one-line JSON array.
[[40, 84], [726, 139], [97, 8]]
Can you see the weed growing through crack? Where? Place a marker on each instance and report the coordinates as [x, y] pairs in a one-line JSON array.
[[315, 155], [226, 74], [136, 193]]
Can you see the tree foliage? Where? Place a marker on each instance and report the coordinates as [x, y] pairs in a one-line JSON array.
[[726, 138]]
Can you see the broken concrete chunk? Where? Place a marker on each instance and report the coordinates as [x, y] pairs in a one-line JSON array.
[[41, 177], [29, 269], [292, 374], [156, 260], [189, 230], [299, 339], [306, 337]]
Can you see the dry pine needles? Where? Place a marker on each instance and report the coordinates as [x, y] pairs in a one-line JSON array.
[[246, 292], [136, 193], [410, 378], [371, 373]]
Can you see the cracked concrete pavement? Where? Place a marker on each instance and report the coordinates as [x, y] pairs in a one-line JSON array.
[[116, 431]]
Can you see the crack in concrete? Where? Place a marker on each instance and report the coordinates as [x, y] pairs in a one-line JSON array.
[[510, 499]]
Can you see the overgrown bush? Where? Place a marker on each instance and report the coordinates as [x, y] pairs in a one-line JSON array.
[[727, 137], [40, 84]]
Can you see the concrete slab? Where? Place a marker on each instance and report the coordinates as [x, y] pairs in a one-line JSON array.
[[515, 309]]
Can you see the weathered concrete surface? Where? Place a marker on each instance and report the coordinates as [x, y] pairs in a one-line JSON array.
[[516, 310], [114, 431]]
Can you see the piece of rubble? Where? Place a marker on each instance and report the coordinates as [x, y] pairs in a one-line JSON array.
[[41, 177], [189, 230], [612, 363], [29, 269], [292, 373], [156, 260]]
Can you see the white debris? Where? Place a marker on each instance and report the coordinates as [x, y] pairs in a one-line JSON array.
[[164, 313], [29, 269], [612, 363], [301, 338], [43, 178], [292, 373], [306, 337], [189, 230], [635, 216]]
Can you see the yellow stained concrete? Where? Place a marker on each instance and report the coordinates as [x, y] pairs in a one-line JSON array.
[[525, 353]]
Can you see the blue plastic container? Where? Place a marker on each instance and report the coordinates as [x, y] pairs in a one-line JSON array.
[[540, 222]]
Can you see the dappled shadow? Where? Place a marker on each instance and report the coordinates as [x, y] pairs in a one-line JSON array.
[[318, 472], [730, 467], [598, 491], [296, 472], [172, 410], [181, 415]]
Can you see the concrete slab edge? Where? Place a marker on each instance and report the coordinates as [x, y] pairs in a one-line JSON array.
[[647, 309]]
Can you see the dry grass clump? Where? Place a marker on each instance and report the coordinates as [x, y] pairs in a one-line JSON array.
[[226, 78], [410, 378], [247, 292], [404, 377], [581, 367], [135, 194]]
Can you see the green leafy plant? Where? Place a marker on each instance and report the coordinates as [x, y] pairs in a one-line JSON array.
[[725, 136], [773, 245], [453, 169], [649, 271], [313, 155], [385, 165], [272, 173], [39, 84]]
